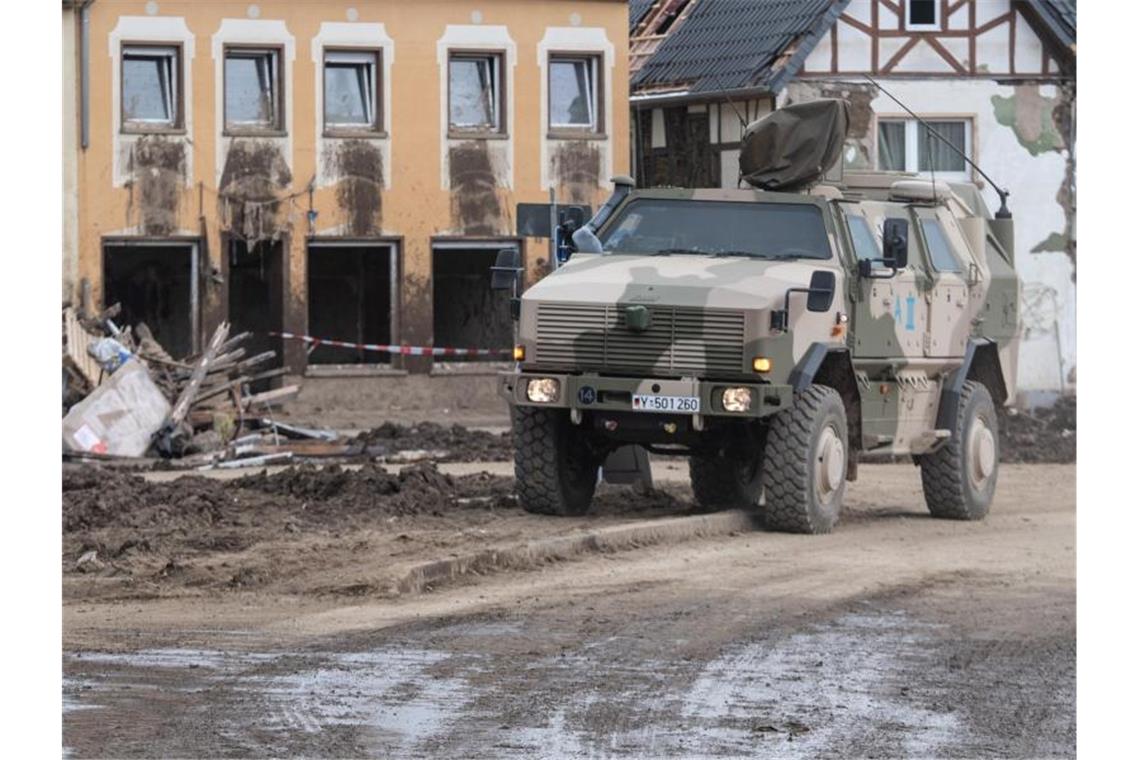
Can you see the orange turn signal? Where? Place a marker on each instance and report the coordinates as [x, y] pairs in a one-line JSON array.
[[762, 364], [519, 353]]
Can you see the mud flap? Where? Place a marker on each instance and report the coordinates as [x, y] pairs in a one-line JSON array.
[[628, 465]]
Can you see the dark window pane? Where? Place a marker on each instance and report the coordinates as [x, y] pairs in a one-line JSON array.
[[936, 154], [251, 89], [922, 11], [760, 229], [941, 257], [350, 92], [864, 240], [892, 146], [148, 84], [472, 93], [571, 94]]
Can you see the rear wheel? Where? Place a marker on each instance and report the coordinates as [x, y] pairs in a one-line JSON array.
[[959, 479], [805, 463], [555, 469], [724, 483]]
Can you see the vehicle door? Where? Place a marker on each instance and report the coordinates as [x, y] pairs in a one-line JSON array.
[[948, 261], [887, 316]]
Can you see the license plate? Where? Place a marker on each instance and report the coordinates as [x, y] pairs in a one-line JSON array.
[[674, 404]]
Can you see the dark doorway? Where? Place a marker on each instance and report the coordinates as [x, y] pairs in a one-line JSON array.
[[351, 297], [156, 283], [466, 312], [256, 298]]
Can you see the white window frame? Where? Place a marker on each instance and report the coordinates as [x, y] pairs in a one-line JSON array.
[[592, 62], [913, 145], [495, 60], [373, 59], [914, 27], [174, 90], [276, 91]]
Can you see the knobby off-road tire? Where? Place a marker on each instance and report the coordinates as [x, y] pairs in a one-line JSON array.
[[805, 463], [959, 478], [555, 473], [724, 483]]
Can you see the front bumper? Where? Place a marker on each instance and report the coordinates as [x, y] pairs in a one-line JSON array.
[[589, 392]]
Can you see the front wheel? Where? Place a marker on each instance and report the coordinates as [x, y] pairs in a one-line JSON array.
[[805, 463], [555, 469], [721, 482], [959, 479]]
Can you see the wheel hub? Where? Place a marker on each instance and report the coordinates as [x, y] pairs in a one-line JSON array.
[[830, 462], [982, 452]]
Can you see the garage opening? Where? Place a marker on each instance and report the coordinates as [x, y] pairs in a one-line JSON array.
[[257, 297], [466, 312], [156, 283], [352, 298]]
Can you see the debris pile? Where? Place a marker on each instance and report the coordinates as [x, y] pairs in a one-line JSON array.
[[125, 396], [447, 444], [1046, 435]]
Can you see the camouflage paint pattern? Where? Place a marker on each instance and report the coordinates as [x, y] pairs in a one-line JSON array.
[[906, 334]]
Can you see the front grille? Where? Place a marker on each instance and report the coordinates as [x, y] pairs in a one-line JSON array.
[[679, 341]]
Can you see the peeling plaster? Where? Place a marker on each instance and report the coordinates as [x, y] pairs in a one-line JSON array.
[[1043, 124]]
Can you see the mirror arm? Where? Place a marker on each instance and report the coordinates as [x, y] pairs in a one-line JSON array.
[[870, 274], [779, 319]]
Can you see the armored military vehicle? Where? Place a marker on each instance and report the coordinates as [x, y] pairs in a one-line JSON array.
[[773, 334]]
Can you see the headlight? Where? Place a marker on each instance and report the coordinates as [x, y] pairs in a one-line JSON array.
[[736, 399], [542, 390]]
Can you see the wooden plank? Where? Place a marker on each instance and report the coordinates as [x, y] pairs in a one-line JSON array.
[[182, 406], [277, 394], [76, 339]]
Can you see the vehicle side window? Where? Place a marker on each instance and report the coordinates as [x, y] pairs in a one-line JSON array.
[[941, 255], [866, 247]]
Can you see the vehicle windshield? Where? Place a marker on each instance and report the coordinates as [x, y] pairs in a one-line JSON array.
[[659, 226]]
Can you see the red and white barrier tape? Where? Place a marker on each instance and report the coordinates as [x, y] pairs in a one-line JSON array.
[[394, 348]]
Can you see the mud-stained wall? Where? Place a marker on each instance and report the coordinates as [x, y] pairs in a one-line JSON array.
[[358, 168], [476, 208], [255, 180], [408, 184], [576, 166], [157, 170]]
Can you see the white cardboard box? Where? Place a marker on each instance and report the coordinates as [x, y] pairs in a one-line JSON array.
[[119, 417]]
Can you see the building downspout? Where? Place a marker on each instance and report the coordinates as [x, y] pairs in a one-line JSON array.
[[84, 75]]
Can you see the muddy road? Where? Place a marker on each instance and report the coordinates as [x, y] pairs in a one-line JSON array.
[[898, 635]]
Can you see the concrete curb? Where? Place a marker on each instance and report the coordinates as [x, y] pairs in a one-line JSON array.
[[616, 538]]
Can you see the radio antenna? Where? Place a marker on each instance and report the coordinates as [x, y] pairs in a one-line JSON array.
[[743, 123], [1003, 211], [724, 90]]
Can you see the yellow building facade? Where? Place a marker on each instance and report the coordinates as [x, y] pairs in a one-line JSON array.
[[346, 170]]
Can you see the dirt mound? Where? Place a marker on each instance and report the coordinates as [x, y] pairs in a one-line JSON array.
[[418, 489], [1043, 435], [460, 444]]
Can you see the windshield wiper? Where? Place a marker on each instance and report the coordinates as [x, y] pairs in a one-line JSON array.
[[722, 254]]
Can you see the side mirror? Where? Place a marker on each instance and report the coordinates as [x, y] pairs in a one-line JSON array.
[[896, 237], [821, 290], [505, 273]]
